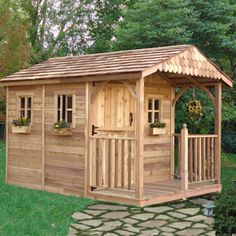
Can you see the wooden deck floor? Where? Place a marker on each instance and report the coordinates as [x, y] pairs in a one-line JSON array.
[[154, 193]]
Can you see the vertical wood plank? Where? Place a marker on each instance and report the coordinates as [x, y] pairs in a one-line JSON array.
[[43, 136], [129, 164], [119, 161], [204, 158], [172, 131], [218, 108], [184, 157], [212, 159], [191, 159], [7, 132], [126, 157], [208, 159], [200, 159], [195, 160], [139, 131], [112, 163]]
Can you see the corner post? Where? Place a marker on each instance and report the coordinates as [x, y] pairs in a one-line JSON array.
[[218, 107], [139, 130], [184, 157]]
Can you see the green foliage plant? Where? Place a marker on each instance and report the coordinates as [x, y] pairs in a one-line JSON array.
[[61, 124], [225, 212], [21, 122]]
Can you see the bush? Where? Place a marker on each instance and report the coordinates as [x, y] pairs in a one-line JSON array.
[[229, 143], [225, 212]]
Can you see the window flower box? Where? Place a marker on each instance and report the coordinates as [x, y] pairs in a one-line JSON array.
[[21, 129], [63, 132], [157, 131], [62, 128], [21, 126], [157, 128]]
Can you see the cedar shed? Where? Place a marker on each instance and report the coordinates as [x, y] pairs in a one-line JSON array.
[[109, 152]]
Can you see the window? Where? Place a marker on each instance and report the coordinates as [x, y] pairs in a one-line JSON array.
[[65, 108], [153, 109], [25, 107]]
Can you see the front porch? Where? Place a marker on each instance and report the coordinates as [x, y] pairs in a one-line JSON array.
[[127, 165]]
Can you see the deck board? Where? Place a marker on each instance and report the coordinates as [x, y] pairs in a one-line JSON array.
[[154, 193]]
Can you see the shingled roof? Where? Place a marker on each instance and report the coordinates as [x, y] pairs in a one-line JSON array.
[[181, 59]]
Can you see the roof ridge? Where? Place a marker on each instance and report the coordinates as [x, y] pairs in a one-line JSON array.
[[123, 51]]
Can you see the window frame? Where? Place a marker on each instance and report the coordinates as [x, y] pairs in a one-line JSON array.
[[26, 109], [147, 110], [56, 108]]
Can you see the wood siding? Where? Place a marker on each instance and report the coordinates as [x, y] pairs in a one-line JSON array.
[[64, 156], [25, 150], [157, 149], [60, 158]]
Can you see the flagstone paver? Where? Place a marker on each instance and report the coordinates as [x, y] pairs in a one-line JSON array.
[[115, 215], [143, 216], [179, 218], [189, 211]]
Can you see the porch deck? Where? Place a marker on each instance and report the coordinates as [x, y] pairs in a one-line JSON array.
[[155, 193]]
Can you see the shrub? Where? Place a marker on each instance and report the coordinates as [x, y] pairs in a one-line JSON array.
[[225, 212], [229, 143]]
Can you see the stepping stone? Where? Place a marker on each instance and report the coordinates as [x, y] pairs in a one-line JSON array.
[[94, 212], [108, 226], [80, 226], [115, 215], [110, 234], [177, 215], [167, 229], [212, 233], [81, 216], [209, 221], [201, 201], [180, 225], [153, 223], [132, 228], [163, 217], [189, 211], [143, 216], [72, 232], [197, 218], [125, 233], [166, 234], [129, 221], [178, 205], [152, 232], [200, 226], [107, 207], [192, 232], [160, 209], [94, 223]]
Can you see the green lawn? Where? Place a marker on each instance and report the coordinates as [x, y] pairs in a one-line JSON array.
[[30, 212], [26, 212]]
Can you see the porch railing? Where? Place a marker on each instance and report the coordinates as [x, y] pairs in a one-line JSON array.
[[112, 162], [196, 157]]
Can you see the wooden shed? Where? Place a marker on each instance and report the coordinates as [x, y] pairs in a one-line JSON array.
[[109, 152]]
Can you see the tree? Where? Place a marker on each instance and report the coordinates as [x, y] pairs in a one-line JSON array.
[[155, 23], [15, 51]]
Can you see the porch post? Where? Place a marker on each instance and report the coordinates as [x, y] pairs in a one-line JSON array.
[[218, 105], [184, 158], [139, 130]]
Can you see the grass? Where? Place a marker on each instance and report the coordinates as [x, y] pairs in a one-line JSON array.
[[26, 212]]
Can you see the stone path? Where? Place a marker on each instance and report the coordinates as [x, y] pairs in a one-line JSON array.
[[179, 218]]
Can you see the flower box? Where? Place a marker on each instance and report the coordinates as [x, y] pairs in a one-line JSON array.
[[21, 129], [157, 131], [63, 132]]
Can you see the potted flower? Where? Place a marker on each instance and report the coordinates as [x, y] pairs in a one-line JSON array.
[[21, 126], [157, 128], [62, 128]]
